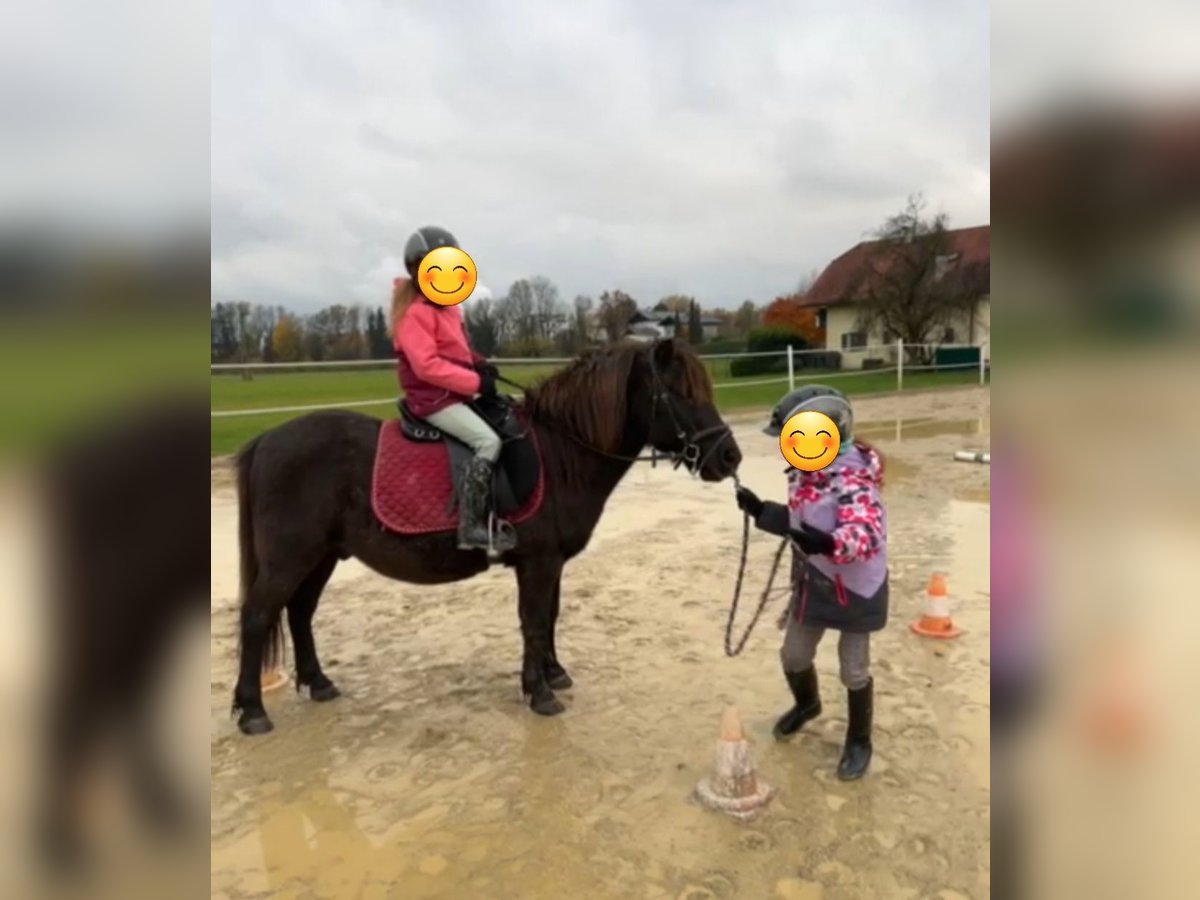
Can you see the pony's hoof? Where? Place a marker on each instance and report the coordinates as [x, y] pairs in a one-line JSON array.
[[547, 706], [558, 679], [324, 693], [253, 725]]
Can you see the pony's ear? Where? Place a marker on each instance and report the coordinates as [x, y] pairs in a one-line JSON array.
[[664, 352]]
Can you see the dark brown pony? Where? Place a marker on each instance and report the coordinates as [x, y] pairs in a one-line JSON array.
[[304, 491]]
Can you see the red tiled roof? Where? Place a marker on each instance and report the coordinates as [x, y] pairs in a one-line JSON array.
[[842, 281]]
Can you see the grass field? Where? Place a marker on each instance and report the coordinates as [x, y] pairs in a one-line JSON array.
[[229, 391], [58, 375]]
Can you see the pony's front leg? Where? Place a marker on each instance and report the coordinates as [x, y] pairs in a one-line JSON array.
[[556, 675], [536, 581]]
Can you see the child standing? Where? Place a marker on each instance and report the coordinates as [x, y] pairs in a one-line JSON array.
[[838, 526]]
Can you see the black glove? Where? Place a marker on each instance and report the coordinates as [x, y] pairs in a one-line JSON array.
[[486, 368], [749, 503], [813, 541], [487, 385]]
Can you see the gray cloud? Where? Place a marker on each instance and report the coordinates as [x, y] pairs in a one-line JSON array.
[[722, 150]]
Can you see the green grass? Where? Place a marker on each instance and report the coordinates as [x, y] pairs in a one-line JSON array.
[[59, 373], [230, 391]]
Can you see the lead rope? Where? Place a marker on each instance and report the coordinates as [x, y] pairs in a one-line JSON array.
[[730, 650]]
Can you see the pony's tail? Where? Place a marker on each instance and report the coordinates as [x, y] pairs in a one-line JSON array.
[[273, 649]]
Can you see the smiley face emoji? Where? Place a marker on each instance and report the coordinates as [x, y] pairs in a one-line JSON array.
[[446, 276], [809, 441]]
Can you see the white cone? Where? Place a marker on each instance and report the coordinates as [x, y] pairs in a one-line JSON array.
[[733, 787]]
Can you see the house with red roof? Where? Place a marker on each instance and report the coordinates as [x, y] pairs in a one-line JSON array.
[[841, 287]]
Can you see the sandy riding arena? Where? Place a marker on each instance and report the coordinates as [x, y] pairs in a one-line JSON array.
[[431, 778]]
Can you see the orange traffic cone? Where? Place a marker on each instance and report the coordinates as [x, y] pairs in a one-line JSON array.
[[936, 621], [734, 788]]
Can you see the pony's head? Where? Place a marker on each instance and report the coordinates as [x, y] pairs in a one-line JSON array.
[[671, 395]]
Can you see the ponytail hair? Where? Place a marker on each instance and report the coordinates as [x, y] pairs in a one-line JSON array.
[[404, 292]]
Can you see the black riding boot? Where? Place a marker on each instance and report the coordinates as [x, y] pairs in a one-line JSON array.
[[473, 511], [808, 702], [856, 755]]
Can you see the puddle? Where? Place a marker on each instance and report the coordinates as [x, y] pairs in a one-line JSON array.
[[978, 428]]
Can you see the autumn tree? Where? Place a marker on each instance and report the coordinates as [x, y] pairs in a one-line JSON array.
[[787, 312], [287, 340]]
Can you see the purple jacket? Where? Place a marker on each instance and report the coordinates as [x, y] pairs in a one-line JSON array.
[[848, 589]]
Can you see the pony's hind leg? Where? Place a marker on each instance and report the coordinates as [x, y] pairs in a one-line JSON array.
[[556, 675], [300, 610], [261, 642], [535, 587]]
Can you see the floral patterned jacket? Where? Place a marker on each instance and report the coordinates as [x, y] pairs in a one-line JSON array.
[[847, 589]]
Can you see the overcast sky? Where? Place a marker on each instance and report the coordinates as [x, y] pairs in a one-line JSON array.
[[717, 149]]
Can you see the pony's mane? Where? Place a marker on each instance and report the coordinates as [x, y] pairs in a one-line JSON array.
[[588, 396]]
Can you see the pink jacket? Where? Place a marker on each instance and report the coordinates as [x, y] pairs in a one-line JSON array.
[[434, 359]]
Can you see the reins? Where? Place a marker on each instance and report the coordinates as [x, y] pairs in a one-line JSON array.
[[689, 455], [763, 600]]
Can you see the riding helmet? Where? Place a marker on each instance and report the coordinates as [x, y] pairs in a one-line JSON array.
[[421, 242], [818, 397]]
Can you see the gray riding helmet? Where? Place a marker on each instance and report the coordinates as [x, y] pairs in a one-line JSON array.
[[820, 398], [421, 241]]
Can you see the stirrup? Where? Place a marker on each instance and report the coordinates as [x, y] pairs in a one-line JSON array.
[[497, 526]]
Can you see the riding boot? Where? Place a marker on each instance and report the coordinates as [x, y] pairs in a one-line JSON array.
[[808, 702], [476, 494], [856, 755]]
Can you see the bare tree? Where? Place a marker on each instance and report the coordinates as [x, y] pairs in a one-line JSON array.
[[746, 318], [616, 309], [676, 303], [244, 345], [516, 313], [258, 330], [480, 322], [911, 285], [549, 312], [581, 324], [806, 282], [695, 331]]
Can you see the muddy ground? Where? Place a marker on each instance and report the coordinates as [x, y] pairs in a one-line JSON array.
[[430, 778]]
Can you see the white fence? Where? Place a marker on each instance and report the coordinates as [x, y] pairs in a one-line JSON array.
[[795, 372]]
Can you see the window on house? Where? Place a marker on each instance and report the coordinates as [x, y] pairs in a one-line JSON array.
[[948, 336], [822, 317], [854, 340]]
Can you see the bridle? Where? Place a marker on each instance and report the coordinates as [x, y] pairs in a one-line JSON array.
[[690, 451], [689, 454]]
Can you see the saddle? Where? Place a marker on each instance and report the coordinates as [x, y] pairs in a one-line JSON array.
[[517, 470], [418, 471]]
